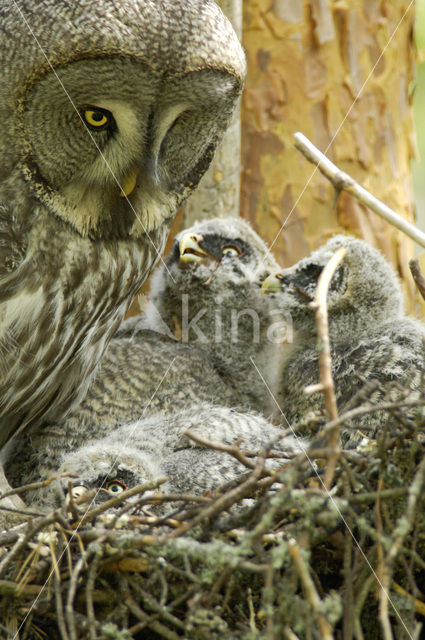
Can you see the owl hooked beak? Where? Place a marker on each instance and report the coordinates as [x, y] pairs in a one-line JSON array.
[[128, 183], [189, 248], [272, 284]]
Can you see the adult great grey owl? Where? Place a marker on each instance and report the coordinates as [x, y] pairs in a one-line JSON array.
[[110, 114], [371, 337], [143, 371], [157, 446]]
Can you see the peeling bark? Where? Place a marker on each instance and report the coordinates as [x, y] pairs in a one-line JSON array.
[[341, 73]]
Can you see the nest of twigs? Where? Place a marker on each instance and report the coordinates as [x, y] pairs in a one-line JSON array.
[[294, 562]]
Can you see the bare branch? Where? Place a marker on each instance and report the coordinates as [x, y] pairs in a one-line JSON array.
[[309, 589], [325, 362], [418, 277], [343, 182]]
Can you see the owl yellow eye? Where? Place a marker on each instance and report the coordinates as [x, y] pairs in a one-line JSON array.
[[116, 487], [97, 118], [231, 251]]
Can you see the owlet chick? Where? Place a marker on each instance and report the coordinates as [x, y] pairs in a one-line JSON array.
[[110, 115], [157, 446], [143, 371], [370, 335], [208, 291]]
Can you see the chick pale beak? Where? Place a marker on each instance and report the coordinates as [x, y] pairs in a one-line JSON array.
[[272, 284], [189, 248], [129, 182]]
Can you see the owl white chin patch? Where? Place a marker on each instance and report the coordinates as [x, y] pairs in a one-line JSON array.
[[150, 212]]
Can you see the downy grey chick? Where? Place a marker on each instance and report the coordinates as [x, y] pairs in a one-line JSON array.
[[371, 337], [140, 374], [208, 292], [157, 446], [144, 371]]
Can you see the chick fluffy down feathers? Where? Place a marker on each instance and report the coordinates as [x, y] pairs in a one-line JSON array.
[[217, 298], [157, 447], [373, 343]]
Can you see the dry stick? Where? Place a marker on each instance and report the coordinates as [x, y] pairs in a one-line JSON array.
[[72, 589], [418, 277], [151, 621], [60, 617], [325, 363], [309, 589], [361, 411], [233, 450], [162, 610], [220, 504], [419, 606], [23, 539], [402, 528], [31, 486], [9, 588], [242, 455], [383, 597], [91, 514], [343, 182], [91, 578]]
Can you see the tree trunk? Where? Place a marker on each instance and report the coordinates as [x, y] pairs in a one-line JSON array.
[[340, 72]]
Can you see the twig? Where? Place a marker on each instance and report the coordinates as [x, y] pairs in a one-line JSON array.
[[59, 607], [385, 494], [403, 527], [325, 363], [222, 503], [91, 578], [150, 621], [33, 485], [343, 182], [73, 584], [55, 516], [384, 617], [418, 276], [242, 455], [233, 449], [309, 589], [419, 606], [9, 588], [268, 601], [156, 607], [91, 514], [361, 411]]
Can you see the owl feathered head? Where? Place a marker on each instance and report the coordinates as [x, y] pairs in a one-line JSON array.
[[364, 291], [99, 98], [221, 261]]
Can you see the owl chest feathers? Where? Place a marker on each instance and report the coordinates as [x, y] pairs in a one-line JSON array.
[[56, 326]]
